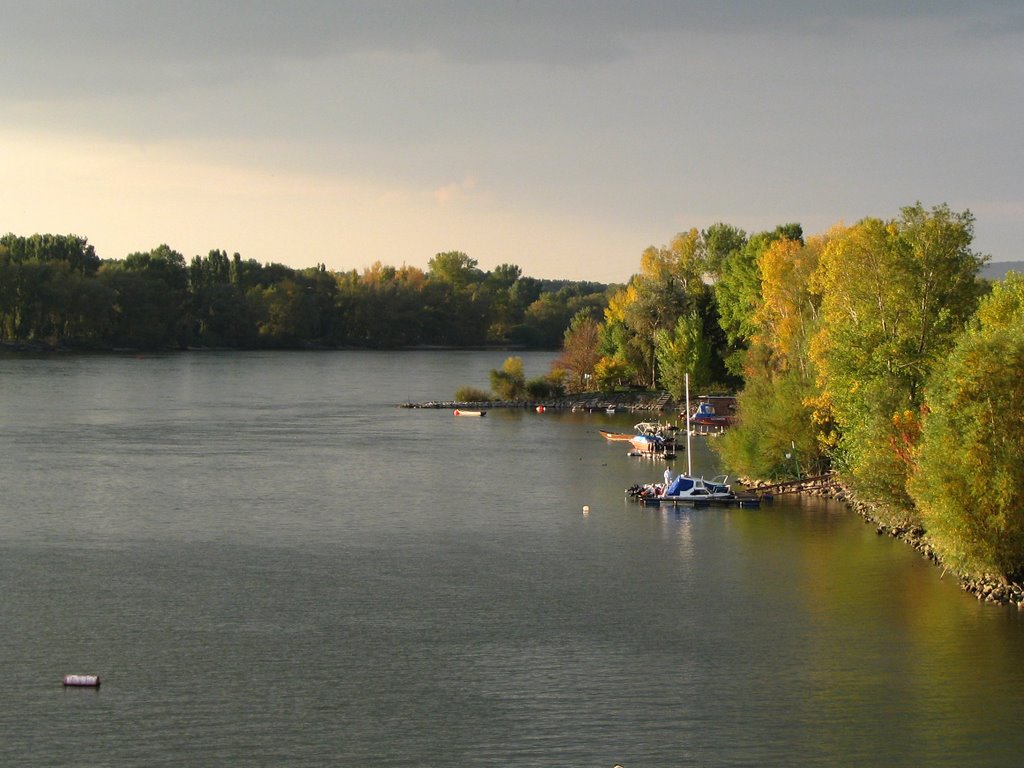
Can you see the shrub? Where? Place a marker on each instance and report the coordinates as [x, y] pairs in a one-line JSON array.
[[472, 395]]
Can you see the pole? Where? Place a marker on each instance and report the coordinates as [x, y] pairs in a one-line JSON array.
[[689, 459]]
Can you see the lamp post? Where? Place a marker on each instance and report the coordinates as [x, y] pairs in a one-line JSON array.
[[792, 455]]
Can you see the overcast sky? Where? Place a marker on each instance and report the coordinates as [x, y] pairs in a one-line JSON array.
[[564, 137]]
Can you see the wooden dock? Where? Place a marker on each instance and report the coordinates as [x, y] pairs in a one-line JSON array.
[[742, 500]]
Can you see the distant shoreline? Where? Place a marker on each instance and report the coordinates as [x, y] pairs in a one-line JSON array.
[[587, 402]]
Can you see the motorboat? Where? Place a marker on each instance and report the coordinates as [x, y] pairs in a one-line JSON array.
[[653, 428], [647, 443]]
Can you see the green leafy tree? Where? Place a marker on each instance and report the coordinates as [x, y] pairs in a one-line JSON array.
[[684, 350], [669, 284], [969, 482], [777, 435], [894, 295], [738, 290], [454, 267], [780, 431], [721, 242]]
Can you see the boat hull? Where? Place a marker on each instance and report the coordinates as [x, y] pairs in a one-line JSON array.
[[616, 436]]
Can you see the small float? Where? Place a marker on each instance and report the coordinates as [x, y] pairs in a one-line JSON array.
[[81, 681], [460, 412]]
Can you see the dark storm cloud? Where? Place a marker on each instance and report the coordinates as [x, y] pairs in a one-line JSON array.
[[50, 46]]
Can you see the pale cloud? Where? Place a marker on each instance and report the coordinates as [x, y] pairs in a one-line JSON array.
[[127, 198], [450, 192]]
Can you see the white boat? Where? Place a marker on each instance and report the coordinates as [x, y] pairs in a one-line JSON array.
[[653, 428], [683, 489], [647, 443]]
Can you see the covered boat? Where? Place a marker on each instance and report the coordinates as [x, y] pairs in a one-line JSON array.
[[683, 488]]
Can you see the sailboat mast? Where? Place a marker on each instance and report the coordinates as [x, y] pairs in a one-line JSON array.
[[689, 459]]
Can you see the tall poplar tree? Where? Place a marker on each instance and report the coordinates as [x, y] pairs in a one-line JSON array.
[[894, 295]]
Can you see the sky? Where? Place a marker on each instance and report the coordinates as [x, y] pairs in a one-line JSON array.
[[563, 136]]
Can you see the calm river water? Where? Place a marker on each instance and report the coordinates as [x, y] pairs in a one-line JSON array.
[[270, 564]]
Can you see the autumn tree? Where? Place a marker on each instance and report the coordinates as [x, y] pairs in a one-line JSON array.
[[738, 290], [581, 351], [669, 284], [894, 295], [779, 432], [509, 381]]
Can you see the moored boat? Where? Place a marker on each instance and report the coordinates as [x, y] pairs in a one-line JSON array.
[[713, 414], [647, 443], [683, 489], [616, 436]]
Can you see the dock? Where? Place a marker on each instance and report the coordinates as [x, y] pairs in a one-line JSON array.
[[742, 500]]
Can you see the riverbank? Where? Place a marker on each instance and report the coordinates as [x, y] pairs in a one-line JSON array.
[[986, 588]]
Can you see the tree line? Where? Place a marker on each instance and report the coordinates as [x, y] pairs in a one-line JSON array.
[[873, 349], [55, 290]]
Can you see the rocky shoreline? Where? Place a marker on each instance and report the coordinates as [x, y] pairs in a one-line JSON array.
[[987, 588]]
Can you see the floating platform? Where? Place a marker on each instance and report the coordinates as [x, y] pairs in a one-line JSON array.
[[744, 501]]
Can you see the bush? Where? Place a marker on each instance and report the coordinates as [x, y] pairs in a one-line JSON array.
[[541, 388], [509, 382], [472, 395]]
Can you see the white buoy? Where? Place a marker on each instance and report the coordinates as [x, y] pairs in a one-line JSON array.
[[82, 681], [586, 509]]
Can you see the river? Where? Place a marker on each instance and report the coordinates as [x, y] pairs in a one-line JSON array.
[[270, 564]]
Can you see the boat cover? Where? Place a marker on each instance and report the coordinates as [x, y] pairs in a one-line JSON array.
[[679, 486]]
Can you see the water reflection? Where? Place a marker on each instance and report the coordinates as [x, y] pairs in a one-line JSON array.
[[272, 565]]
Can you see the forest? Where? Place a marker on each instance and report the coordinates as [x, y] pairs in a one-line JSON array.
[[56, 292]]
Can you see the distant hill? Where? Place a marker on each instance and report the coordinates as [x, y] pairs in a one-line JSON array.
[[996, 270]]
